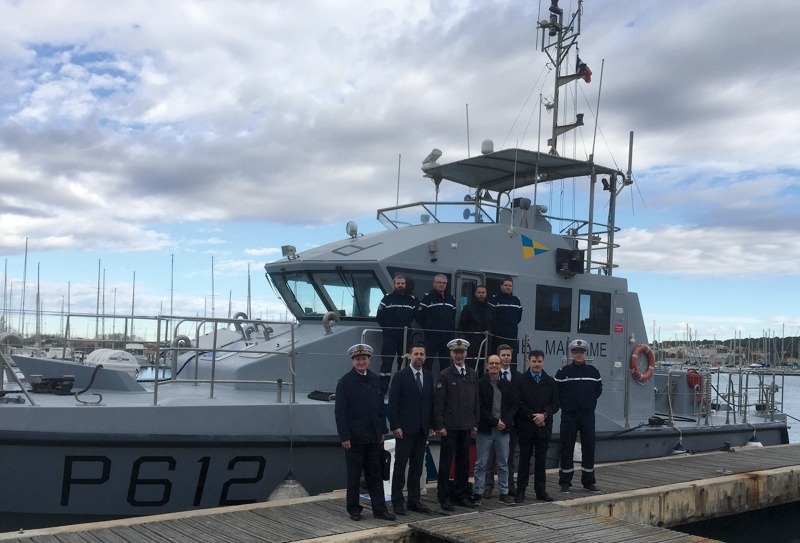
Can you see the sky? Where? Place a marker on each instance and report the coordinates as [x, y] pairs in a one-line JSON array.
[[148, 138]]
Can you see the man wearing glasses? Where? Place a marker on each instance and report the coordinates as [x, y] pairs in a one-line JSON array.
[[437, 317], [579, 386]]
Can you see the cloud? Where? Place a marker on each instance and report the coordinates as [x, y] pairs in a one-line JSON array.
[[262, 252]]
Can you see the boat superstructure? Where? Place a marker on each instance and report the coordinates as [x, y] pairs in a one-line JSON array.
[[248, 401]]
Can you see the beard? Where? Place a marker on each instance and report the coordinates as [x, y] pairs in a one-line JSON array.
[[400, 290]]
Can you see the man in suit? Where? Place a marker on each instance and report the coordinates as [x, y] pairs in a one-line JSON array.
[[410, 410], [361, 424], [455, 419], [537, 393]]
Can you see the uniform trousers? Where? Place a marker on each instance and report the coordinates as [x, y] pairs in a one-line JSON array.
[[408, 451], [436, 347], [571, 423], [366, 458], [391, 346], [455, 443]]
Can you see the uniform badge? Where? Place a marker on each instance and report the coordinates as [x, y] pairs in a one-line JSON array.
[[438, 385]]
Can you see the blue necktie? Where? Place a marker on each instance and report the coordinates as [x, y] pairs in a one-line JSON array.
[[419, 381], [536, 377], [505, 375]]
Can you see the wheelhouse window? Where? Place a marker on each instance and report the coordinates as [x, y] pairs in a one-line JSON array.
[[311, 294], [594, 312], [553, 308]]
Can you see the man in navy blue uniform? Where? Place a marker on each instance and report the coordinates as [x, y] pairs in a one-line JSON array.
[[507, 316], [361, 424], [395, 314], [537, 394], [437, 317], [579, 386], [410, 411]]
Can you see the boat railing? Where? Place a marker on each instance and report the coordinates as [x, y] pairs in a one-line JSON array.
[[215, 352], [749, 392], [582, 233]]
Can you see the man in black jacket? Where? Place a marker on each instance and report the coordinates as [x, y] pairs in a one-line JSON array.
[[361, 424], [497, 409], [437, 317], [537, 394], [455, 419], [579, 387], [410, 411], [395, 315], [476, 319]]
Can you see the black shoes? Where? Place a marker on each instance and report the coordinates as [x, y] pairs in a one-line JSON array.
[[465, 503], [591, 488], [477, 499], [545, 498], [385, 516], [418, 507], [399, 509], [565, 488], [355, 516], [446, 505], [520, 497]]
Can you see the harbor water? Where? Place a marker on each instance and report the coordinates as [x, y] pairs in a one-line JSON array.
[[779, 522]]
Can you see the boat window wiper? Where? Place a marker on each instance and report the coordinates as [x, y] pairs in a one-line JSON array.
[[348, 285], [286, 282]]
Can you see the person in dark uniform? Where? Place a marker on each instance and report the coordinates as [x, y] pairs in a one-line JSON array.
[[508, 372], [537, 394], [455, 418], [410, 412], [395, 312], [476, 319], [507, 316], [579, 386], [361, 424], [437, 317]]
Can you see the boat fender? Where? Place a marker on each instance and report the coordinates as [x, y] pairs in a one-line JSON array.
[[651, 362]]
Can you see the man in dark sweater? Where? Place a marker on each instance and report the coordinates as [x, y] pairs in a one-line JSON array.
[[537, 394], [437, 317], [476, 320], [507, 316], [579, 387], [395, 315]]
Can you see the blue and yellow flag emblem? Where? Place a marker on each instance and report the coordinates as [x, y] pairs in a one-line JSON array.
[[531, 248]]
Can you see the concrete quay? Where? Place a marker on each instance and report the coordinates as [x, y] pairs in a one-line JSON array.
[[640, 500]]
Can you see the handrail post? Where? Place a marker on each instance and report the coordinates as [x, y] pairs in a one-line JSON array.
[[280, 390], [213, 361], [155, 366], [292, 367]]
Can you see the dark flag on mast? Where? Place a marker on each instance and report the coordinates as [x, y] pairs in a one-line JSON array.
[[583, 70]]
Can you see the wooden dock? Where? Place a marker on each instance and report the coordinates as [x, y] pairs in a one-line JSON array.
[[638, 498]]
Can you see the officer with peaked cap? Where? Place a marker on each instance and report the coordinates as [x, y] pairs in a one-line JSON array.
[[361, 424], [455, 419], [579, 386]]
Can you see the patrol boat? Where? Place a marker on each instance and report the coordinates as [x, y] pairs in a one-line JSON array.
[[249, 402]]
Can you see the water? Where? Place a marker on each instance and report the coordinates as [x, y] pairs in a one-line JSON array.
[[779, 522]]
